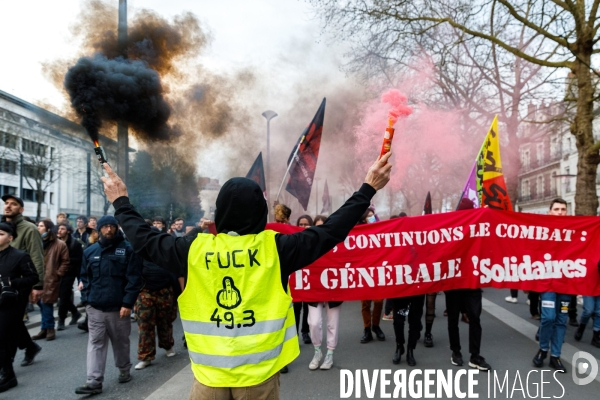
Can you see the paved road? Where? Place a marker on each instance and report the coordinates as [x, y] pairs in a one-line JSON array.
[[507, 344]]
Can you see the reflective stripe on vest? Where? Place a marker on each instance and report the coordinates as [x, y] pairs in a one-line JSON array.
[[236, 361], [237, 318]]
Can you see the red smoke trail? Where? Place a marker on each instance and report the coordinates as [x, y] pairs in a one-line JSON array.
[[398, 101]]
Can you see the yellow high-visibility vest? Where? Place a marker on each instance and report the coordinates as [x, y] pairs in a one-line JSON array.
[[238, 321]]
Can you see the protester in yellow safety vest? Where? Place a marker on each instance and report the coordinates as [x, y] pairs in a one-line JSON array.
[[236, 310]]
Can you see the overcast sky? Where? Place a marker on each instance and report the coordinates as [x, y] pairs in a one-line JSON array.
[[255, 33], [279, 40]]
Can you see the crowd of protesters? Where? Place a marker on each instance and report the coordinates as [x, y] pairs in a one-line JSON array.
[[45, 263]]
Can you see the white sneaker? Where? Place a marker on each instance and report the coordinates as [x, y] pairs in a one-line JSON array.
[[528, 302], [511, 299], [328, 362], [314, 364], [171, 352], [142, 364]]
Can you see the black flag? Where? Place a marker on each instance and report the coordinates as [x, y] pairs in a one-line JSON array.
[[327, 206], [304, 159], [257, 174], [427, 209]]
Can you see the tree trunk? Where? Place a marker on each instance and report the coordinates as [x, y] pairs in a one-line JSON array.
[[586, 198]]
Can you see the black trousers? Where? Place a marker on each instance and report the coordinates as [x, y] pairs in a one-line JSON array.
[[304, 307], [534, 303], [21, 334], [66, 297], [412, 307], [388, 306], [573, 307], [469, 302], [9, 318]]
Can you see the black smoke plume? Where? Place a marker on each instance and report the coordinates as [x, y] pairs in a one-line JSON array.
[[119, 90]]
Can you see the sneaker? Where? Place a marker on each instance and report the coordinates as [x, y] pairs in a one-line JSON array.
[[328, 362], [539, 358], [30, 354], [456, 358], [306, 338], [143, 364], [124, 377], [479, 363], [314, 364], [87, 389], [388, 317], [428, 341], [7, 381], [528, 302], [61, 325], [557, 365], [171, 352], [75, 318], [511, 299]]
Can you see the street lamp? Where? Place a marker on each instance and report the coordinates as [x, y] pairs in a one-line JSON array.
[[269, 115]]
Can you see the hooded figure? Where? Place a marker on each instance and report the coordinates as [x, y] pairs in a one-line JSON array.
[[241, 207], [240, 349]]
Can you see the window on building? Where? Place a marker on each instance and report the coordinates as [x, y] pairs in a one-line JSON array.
[[8, 140], [34, 171], [8, 166], [567, 180], [35, 148], [31, 195], [526, 160], [553, 184], [554, 150], [525, 193], [51, 198], [7, 190], [540, 185], [540, 154]]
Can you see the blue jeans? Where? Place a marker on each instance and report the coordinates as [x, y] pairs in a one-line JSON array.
[[591, 306], [47, 315], [553, 325]]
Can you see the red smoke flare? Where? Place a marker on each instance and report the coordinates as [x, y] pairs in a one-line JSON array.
[[399, 105]]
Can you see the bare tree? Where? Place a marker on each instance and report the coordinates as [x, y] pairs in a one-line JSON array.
[[537, 33], [41, 166]]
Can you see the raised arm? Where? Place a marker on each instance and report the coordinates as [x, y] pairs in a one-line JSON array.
[[303, 248], [160, 248]]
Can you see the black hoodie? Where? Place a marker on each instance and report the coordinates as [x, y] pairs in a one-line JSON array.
[[241, 208]]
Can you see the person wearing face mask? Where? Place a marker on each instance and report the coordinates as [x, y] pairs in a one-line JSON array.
[[17, 272], [372, 317], [56, 265]]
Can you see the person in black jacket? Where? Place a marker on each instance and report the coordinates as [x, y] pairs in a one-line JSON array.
[[111, 279], [16, 270], [242, 210], [64, 232]]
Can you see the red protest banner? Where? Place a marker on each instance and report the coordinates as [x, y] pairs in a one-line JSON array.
[[464, 249]]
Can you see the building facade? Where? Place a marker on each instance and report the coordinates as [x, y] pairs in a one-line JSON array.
[[548, 161], [43, 155]]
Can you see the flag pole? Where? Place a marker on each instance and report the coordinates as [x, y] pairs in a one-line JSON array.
[[289, 166]]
